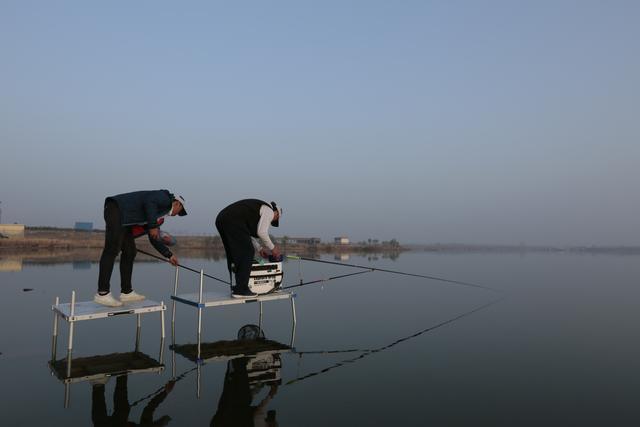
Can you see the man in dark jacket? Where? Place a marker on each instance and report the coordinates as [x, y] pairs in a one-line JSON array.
[[121, 214], [244, 228]]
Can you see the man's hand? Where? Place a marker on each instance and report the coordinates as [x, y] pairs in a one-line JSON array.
[[173, 260], [154, 233], [263, 253], [276, 252]]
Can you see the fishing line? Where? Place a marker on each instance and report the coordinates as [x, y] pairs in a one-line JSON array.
[[423, 276], [183, 266], [368, 352]]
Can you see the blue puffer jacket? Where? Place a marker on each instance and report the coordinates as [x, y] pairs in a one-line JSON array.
[[143, 207]]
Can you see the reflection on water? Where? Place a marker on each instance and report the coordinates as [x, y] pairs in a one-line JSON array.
[[81, 265], [10, 264], [253, 363], [122, 408]]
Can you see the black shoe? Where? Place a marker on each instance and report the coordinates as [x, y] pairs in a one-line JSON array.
[[243, 293]]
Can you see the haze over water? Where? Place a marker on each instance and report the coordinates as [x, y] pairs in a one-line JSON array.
[[558, 347]]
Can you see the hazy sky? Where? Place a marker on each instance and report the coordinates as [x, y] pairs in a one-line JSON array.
[[425, 121]]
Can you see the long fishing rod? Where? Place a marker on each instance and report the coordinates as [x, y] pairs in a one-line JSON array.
[[423, 276], [183, 266], [326, 280]]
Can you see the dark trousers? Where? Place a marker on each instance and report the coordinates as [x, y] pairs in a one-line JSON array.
[[116, 239], [239, 249]]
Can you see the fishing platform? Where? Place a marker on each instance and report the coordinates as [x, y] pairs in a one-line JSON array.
[[73, 312], [222, 298]]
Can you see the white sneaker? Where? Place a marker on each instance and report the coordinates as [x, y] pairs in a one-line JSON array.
[[131, 297], [107, 300]]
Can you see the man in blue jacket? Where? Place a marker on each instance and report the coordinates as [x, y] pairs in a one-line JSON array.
[[121, 214]]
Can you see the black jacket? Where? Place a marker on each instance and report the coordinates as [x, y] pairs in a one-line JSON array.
[[143, 207]]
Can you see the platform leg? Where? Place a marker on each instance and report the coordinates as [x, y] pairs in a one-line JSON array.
[[175, 293], [138, 327], [200, 310], [162, 332], [54, 339], [198, 381], [260, 317], [71, 327], [67, 394], [293, 308], [173, 362], [161, 355], [293, 329]]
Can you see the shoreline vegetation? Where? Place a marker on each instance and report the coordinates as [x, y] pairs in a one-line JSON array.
[[45, 244]]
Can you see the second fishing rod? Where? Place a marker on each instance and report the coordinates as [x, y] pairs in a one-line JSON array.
[[423, 276]]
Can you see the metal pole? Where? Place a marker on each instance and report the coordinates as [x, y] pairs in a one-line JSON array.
[[71, 325], [138, 326], [293, 307], [173, 362], [161, 355], [260, 318], [67, 394], [198, 382], [200, 310], [175, 293], [162, 319], [54, 340], [293, 329]]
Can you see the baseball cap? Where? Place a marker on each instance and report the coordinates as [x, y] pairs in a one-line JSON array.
[[183, 212], [276, 222]]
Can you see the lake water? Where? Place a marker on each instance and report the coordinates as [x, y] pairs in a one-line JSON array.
[[559, 347]]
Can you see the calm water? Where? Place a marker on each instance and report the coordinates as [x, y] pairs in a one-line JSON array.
[[561, 348]]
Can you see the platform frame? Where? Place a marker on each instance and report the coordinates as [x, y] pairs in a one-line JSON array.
[[201, 301], [80, 311]]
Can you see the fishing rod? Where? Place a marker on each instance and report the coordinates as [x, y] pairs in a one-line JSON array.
[[183, 266], [423, 276], [326, 280]]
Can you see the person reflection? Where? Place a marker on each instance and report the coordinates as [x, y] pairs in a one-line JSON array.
[[234, 407], [121, 406]]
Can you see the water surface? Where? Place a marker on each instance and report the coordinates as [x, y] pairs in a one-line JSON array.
[[559, 347]]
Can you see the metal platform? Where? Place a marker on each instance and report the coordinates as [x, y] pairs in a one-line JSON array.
[[88, 310], [220, 297]]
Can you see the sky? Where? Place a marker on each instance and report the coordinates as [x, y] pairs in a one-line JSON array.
[[492, 122]]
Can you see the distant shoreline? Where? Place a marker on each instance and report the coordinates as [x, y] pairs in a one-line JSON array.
[[45, 242], [41, 241]]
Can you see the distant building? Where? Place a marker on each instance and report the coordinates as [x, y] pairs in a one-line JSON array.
[[302, 240], [12, 230], [342, 240], [83, 226]]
